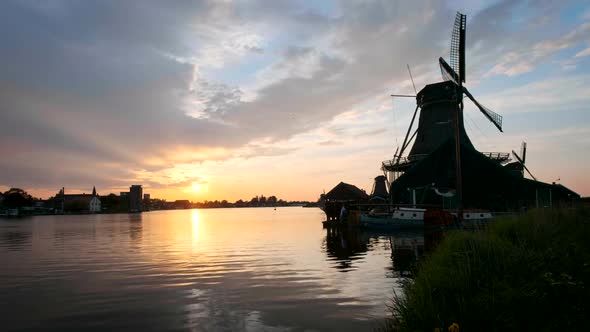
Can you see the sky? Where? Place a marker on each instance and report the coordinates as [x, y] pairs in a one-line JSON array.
[[207, 100]]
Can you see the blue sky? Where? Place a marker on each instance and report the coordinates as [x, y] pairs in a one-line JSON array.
[[283, 97]]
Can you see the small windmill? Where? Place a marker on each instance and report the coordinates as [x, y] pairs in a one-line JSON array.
[[520, 160], [455, 72]]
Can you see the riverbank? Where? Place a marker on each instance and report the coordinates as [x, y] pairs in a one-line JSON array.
[[520, 274]]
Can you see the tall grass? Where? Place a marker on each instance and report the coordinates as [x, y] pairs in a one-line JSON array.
[[519, 274]]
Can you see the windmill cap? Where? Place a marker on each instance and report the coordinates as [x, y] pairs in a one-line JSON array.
[[446, 90]]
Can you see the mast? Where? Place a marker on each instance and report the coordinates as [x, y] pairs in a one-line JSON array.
[[458, 60], [458, 158]]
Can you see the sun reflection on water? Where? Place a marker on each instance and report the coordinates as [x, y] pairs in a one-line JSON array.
[[195, 218]]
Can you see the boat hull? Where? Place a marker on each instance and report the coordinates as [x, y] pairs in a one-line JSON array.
[[412, 218], [389, 222]]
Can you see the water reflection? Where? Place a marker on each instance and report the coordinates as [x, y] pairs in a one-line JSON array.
[[195, 217], [406, 248], [17, 240], [135, 227], [345, 246], [222, 269], [18, 234]]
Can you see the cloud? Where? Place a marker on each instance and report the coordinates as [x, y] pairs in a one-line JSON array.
[[552, 94], [583, 53], [526, 58], [110, 92], [371, 132], [329, 143]]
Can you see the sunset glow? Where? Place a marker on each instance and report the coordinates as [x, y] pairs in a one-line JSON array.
[[293, 165], [196, 187], [231, 101]]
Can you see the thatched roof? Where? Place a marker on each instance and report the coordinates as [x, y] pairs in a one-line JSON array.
[[346, 192]]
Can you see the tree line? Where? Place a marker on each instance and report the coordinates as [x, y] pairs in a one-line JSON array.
[[256, 201], [17, 198]]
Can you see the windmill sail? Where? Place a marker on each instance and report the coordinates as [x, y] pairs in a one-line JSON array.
[[448, 73], [458, 46], [521, 161], [494, 117]]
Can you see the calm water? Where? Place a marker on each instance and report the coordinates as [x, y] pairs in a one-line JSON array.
[[198, 270]]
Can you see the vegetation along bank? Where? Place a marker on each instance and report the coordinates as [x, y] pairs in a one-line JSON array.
[[526, 273]]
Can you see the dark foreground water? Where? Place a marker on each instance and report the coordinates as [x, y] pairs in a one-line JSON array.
[[253, 269]]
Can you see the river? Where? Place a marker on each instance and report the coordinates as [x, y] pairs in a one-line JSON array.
[[240, 269]]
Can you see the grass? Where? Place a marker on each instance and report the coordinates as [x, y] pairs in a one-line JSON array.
[[519, 274]]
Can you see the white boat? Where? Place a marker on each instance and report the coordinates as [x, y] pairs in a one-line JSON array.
[[404, 218], [400, 218], [475, 215]]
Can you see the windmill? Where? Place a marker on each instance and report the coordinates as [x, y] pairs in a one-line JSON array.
[[440, 149], [519, 164], [455, 72], [441, 111], [379, 188]]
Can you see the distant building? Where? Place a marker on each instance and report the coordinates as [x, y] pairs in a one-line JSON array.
[[77, 202], [182, 204], [146, 197], [124, 194], [135, 194]]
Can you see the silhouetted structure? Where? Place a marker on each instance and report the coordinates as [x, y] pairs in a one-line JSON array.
[[182, 204], [15, 198], [343, 194], [63, 202], [379, 192], [443, 167], [346, 192], [135, 196]]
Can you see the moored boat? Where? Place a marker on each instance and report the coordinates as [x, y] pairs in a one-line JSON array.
[[401, 218], [416, 218]]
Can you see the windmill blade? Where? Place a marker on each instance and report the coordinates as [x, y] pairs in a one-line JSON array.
[[457, 58], [531, 174], [523, 151], [523, 165], [517, 157], [495, 118], [412, 78], [448, 73]]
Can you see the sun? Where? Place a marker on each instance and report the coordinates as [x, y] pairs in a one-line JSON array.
[[196, 186]]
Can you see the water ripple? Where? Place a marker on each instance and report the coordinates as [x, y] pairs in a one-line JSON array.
[[234, 269]]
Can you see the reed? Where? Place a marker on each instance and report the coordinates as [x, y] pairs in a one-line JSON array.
[[519, 274]]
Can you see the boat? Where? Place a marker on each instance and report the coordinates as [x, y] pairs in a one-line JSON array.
[[417, 218], [400, 218], [474, 218]]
